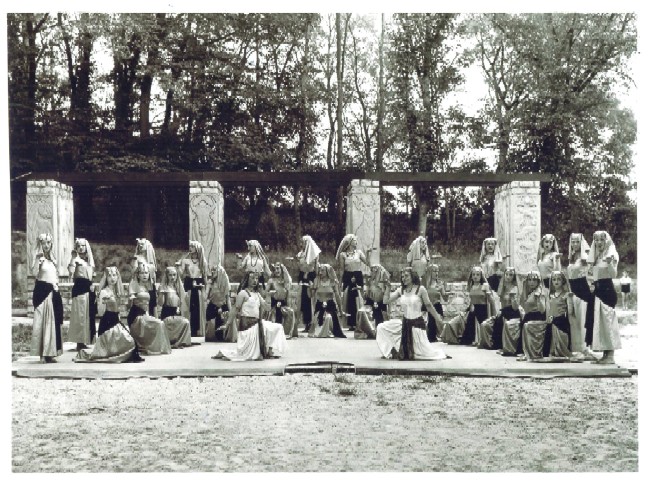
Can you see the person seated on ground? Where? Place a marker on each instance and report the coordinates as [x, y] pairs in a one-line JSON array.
[[46, 343], [603, 259], [626, 284], [257, 338], [278, 287], [491, 262], [219, 305], [437, 294], [548, 258], [480, 307], [255, 262], [149, 333], [583, 298], [83, 307], [406, 338], [533, 308], [145, 254], [114, 342], [350, 260], [373, 311], [492, 329], [328, 305], [193, 269], [418, 256], [307, 267], [171, 295]]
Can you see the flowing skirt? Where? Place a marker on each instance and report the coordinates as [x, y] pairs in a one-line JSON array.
[[324, 330], [149, 333], [306, 305], [351, 295], [433, 330], [321, 309], [253, 344], [365, 328], [48, 318], [474, 318], [389, 340], [561, 337], [83, 310], [498, 328], [195, 306], [453, 329], [536, 339], [606, 332], [284, 315], [114, 345], [583, 302]]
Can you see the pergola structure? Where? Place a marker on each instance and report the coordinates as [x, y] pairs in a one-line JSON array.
[[517, 218]]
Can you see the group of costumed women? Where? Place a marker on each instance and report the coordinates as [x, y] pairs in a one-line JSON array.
[[550, 314]]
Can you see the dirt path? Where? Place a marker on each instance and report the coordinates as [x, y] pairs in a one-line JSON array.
[[303, 423]]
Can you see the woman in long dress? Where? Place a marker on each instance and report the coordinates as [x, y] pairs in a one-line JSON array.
[[583, 298], [603, 258], [279, 286], [350, 259], [491, 262], [171, 295], [149, 332], [145, 254], [48, 306], [307, 267], [548, 258], [480, 307], [328, 307], [533, 308], [374, 310], [406, 339], [508, 294], [219, 304], [418, 256], [194, 271], [257, 339], [114, 343], [83, 307], [437, 294]]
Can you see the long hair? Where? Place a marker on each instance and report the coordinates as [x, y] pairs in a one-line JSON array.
[[584, 247], [415, 278], [497, 250], [554, 248], [345, 244], [503, 289], [608, 250], [470, 281], [526, 291], [564, 287], [427, 279], [103, 282], [415, 252], [310, 250], [89, 252], [203, 263], [177, 285], [46, 236]]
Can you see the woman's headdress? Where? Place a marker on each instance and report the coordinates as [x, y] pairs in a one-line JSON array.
[[310, 251], [103, 282], [584, 247], [415, 250], [46, 236], [608, 250], [470, 282], [345, 244], [554, 247], [177, 285], [502, 282], [89, 251], [497, 250], [147, 252], [203, 263]]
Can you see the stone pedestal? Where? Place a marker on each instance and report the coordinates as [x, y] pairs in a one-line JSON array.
[[50, 210], [363, 216], [517, 224], [206, 219]]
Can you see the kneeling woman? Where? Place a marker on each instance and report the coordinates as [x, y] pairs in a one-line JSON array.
[[114, 342], [533, 307], [257, 339], [328, 304], [149, 333], [171, 294], [508, 293], [406, 339]]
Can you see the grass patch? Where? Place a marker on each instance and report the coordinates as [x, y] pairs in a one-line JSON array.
[[347, 391]]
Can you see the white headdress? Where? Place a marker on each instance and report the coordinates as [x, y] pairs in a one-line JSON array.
[[497, 250], [415, 250], [345, 244], [89, 251], [584, 247], [203, 263], [310, 251], [608, 251]]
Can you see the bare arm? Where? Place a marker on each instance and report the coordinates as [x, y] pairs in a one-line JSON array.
[[428, 305]]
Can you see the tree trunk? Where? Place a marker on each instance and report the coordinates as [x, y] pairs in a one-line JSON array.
[[339, 92], [381, 103], [296, 213]]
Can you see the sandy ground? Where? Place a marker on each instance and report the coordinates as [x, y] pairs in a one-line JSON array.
[[327, 423]]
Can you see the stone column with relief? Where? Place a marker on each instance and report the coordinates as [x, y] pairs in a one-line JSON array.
[[206, 219], [517, 224], [363, 216]]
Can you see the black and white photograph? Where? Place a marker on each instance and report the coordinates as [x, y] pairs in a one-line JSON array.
[[253, 239]]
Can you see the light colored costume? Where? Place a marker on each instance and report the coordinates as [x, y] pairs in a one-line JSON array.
[[145, 255], [327, 297], [577, 271], [547, 261], [281, 312], [194, 271], [409, 334], [490, 262], [82, 307], [418, 256], [307, 266], [171, 295]]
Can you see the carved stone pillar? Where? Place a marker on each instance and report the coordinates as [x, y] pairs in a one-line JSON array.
[[206, 218], [50, 209], [517, 224], [363, 216]]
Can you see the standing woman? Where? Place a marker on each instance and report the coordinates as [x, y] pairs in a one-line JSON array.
[[480, 305], [437, 294], [279, 287], [144, 253], [48, 307], [114, 342], [583, 299], [171, 295], [604, 258], [508, 293], [194, 270], [328, 306], [548, 258], [307, 267], [83, 308], [406, 339], [255, 262], [350, 259], [491, 262], [218, 301], [418, 256], [378, 282]]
